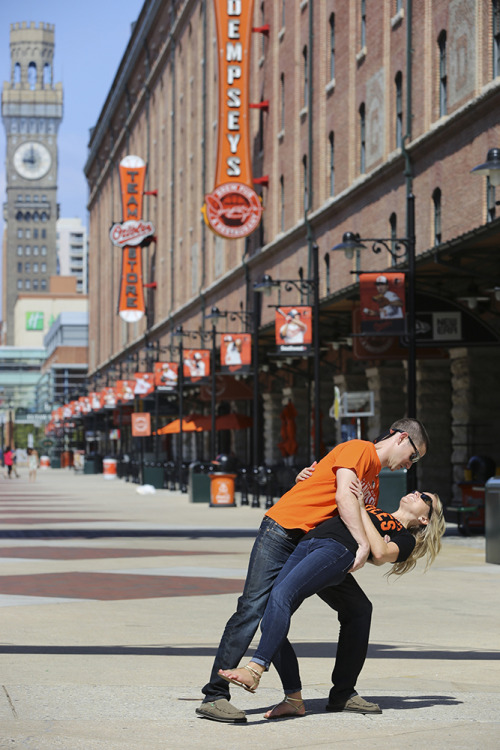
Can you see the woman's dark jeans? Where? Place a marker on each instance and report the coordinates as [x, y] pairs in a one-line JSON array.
[[314, 565], [272, 548]]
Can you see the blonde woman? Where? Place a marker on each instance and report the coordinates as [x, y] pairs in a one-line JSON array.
[[322, 558]]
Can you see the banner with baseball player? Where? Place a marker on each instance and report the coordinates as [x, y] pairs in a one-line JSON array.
[[293, 329], [196, 365], [382, 303], [235, 352], [166, 376], [144, 383]]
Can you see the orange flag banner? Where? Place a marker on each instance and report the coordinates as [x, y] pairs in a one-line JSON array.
[[233, 209], [131, 234]]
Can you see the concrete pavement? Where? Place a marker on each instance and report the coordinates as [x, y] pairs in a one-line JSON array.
[[112, 605]]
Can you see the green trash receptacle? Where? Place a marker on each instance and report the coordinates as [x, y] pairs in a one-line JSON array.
[[154, 474], [492, 520], [199, 483], [392, 489], [55, 462], [92, 464]]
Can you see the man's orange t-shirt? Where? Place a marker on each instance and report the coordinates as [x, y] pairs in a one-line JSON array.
[[312, 501]]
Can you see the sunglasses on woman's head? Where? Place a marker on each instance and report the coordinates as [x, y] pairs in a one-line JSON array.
[[428, 500]]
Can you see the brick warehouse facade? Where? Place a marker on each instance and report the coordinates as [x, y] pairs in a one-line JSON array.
[[354, 122]]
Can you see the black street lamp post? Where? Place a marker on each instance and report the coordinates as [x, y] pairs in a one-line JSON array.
[[216, 314], [305, 286], [397, 247]]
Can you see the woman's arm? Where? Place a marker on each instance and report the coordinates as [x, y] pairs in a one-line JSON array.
[[381, 551]]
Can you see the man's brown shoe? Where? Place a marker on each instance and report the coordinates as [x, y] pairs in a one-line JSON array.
[[221, 710], [355, 704]]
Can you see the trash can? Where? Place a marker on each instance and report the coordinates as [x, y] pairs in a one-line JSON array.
[[392, 489], [199, 483], [222, 490], [44, 462], [92, 464], [154, 474], [109, 467], [55, 462], [492, 520]]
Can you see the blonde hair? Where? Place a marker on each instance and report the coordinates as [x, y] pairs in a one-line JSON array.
[[427, 541]]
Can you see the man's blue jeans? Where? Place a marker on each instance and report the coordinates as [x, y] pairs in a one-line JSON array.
[[272, 548], [312, 566]]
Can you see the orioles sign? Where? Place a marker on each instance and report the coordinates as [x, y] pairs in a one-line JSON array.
[[131, 234], [233, 209]]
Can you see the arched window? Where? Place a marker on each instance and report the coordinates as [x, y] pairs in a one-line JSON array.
[[393, 224], [47, 76], [44, 216], [436, 199], [282, 101], [19, 216], [32, 75], [27, 216], [399, 109], [282, 204], [327, 272], [495, 6], [363, 23], [17, 74], [305, 76], [331, 27], [305, 181], [443, 81], [36, 216], [331, 145], [362, 139], [490, 200]]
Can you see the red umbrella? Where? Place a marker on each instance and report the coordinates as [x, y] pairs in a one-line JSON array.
[[191, 423], [288, 445], [233, 422]]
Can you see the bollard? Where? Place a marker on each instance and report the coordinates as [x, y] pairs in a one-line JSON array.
[[255, 488], [269, 492], [244, 486]]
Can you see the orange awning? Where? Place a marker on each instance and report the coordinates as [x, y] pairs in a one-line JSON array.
[[201, 423]]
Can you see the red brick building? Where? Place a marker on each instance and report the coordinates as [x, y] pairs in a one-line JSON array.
[[368, 102]]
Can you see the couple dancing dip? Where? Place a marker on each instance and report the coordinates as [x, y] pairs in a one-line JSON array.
[[311, 541]]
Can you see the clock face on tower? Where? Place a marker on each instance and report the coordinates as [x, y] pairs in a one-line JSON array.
[[32, 160]]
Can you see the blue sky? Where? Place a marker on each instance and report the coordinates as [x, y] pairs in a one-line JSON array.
[[90, 39]]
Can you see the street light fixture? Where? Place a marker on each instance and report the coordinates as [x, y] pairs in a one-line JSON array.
[[491, 167], [398, 247], [245, 317], [265, 286]]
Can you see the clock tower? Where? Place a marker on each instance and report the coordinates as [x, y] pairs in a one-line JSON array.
[[32, 108]]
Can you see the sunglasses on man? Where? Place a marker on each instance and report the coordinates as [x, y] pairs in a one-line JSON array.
[[415, 456]]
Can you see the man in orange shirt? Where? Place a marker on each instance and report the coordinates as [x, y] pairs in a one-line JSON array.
[[324, 492]]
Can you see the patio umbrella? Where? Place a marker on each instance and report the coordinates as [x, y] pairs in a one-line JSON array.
[[191, 423], [288, 445], [233, 422]]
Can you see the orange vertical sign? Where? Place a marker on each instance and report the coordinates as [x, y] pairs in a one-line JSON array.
[[130, 235], [233, 209]]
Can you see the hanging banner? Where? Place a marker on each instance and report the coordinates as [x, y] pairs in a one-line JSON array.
[[141, 424], [131, 234], [236, 352], [293, 329], [124, 391], [382, 303], [166, 376], [144, 383], [196, 365], [233, 209]]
